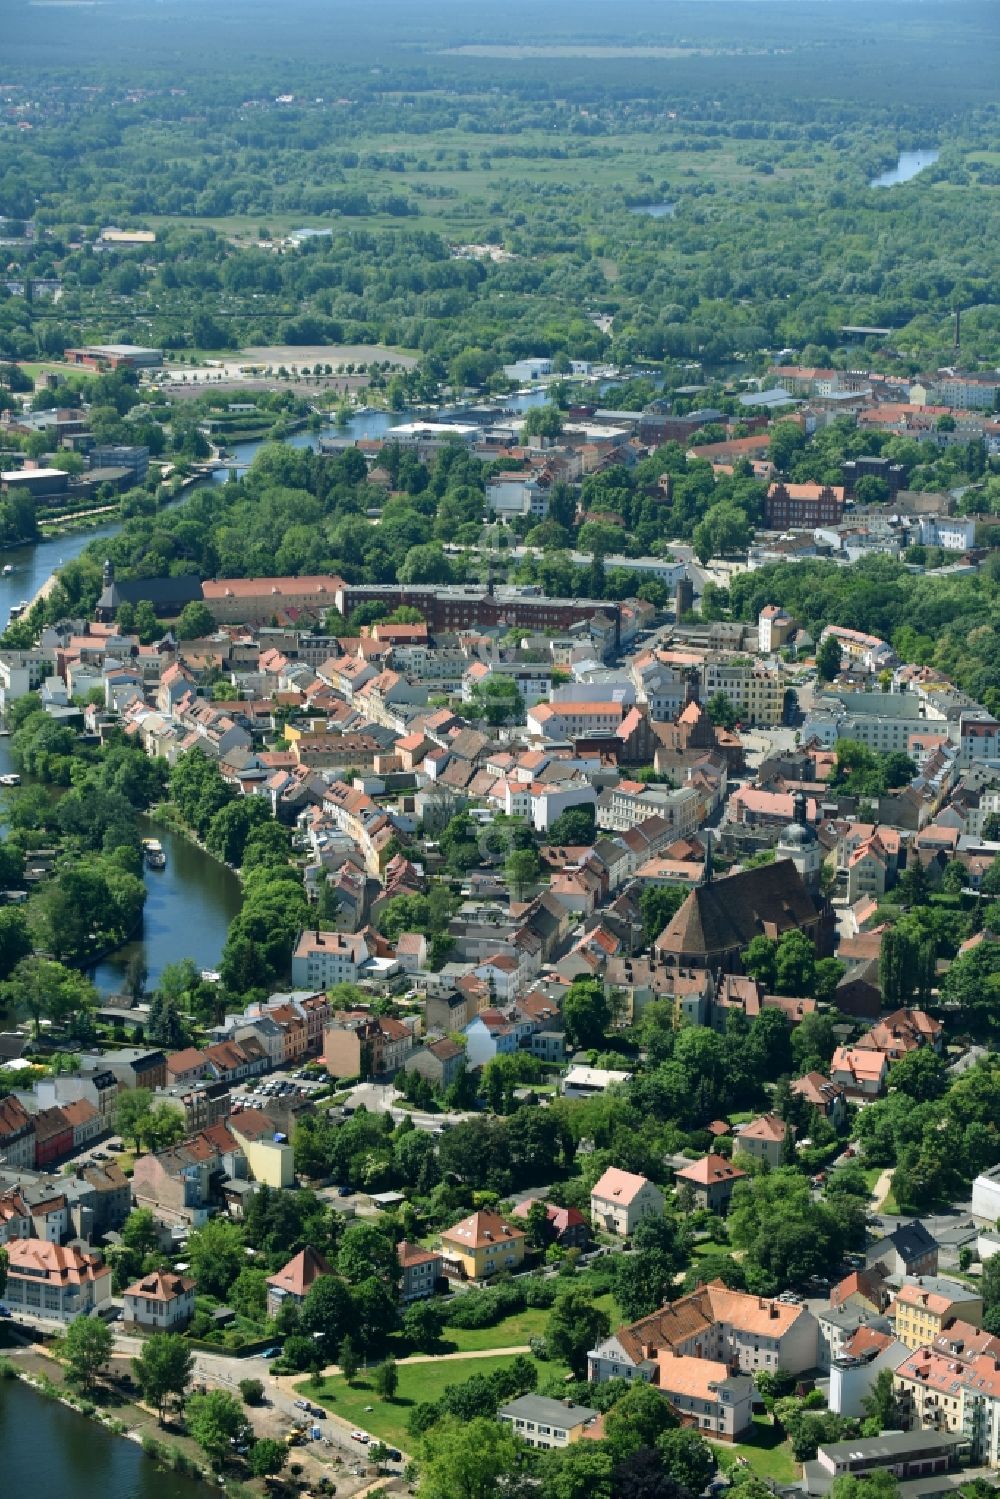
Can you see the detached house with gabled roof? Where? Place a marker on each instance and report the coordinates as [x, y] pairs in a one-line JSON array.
[[159, 1302], [295, 1279], [712, 1180], [482, 1245], [620, 1200]]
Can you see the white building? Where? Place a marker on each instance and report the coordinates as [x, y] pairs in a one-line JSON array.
[[621, 1199], [159, 1302]]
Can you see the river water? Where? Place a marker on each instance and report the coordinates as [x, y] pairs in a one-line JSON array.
[[191, 902], [52, 1452], [910, 163]]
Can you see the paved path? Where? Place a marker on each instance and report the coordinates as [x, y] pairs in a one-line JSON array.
[[881, 1189]]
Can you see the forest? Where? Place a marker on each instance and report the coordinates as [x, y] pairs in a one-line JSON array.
[[543, 156]]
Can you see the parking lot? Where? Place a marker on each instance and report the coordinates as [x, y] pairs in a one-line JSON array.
[[257, 1093]]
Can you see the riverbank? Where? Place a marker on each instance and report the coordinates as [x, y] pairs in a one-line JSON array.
[[137, 1461]]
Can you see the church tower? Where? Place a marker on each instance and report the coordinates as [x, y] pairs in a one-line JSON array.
[[800, 844]]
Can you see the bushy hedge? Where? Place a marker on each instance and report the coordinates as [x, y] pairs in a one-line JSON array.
[[486, 1308]]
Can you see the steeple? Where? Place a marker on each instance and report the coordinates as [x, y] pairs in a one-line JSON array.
[[706, 878], [108, 572]]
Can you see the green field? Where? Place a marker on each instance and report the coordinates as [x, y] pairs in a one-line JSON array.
[[765, 1452], [417, 1382]]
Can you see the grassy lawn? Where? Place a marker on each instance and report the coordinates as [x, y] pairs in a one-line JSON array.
[[510, 1333], [417, 1382], [766, 1453]]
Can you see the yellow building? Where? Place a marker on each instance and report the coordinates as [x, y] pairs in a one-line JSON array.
[[482, 1245], [924, 1307], [271, 1162]]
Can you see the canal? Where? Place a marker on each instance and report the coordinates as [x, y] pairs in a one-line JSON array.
[[191, 902], [49, 1450]]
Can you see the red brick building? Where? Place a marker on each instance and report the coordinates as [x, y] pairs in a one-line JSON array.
[[789, 506]]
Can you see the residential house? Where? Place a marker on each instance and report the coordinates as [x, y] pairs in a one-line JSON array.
[[764, 1139], [186, 1066], [489, 1035], [821, 1093], [908, 1250], [712, 1180], [53, 1136], [951, 1385], [440, 1062], [17, 1135], [546, 1423], [359, 1044], [159, 1302], [924, 1307], [420, 1269], [860, 1071], [482, 1245], [620, 1200], [705, 1394], [567, 1227], [54, 1283], [294, 1280], [854, 1373]]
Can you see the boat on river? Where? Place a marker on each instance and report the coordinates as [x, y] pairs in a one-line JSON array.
[[153, 854]]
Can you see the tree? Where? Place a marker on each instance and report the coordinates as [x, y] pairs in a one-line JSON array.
[[132, 1114], [920, 1074], [195, 621], [828, 659], [216, 1254], [658, 905], [387, 1379], [467, 1459], [327, 1312], [688, 1459], [637, 1420], [644, 1279], [498, 700], [575, 1326], [543, 421], [760, 960], [366, 1250], [163, 1368], [880, 1405], [642, 1476], [521, 870], [217, 1423], [795, 964], [87, 1346], [586, 1013], [423, 1324], [267, 1456], [574, 827], [248, 1293], [347, 1359], [251, 1391], [722, 711]]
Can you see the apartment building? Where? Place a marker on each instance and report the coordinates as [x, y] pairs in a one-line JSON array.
[[744, 1332], [159, 1302], [620, 1200], [755, 688], [54, 1283], [547, 1423]]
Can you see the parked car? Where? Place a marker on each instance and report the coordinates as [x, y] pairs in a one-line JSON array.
[[360, 1436], [271, 1353]]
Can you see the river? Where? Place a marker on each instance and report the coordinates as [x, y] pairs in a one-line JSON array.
[[191, 902], [50, 1450], [910, 163]]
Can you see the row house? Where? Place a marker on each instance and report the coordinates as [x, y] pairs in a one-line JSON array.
[[234, 1061], [17, 1134], [183, 1185], [951, 1384], [359, 1044]]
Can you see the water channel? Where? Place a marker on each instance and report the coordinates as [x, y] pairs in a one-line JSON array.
[[910, 163], [52, 1451], [191, 902]]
